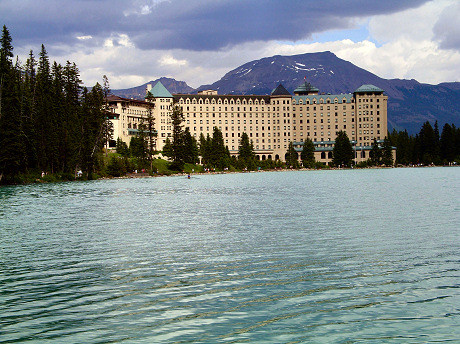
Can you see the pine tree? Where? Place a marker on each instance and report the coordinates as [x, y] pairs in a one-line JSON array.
[[375, 153], [92, 122], [149, 125], [122, 148], [190, 148], [138, 148], [427, 144], [28, 112], [56, 140], [116, 167], [167, 149], [205, 148], [447, 144], [177, 119], [42, 120], [11, 140], [72, 110], [308, 153], [246, 148], [292, 157], [437, 147], [404, 148], [219, 155], [246, 156], [6, 55], [343, 151], [107, 125], [387, 155]]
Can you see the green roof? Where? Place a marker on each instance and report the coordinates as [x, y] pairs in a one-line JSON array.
[[341, 98], [306, 87], [159, 91], [368, 88]]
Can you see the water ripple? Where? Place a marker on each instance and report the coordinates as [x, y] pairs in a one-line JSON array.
[[263, 257]]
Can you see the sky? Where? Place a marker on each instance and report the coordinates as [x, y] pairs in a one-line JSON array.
[[135, 41]]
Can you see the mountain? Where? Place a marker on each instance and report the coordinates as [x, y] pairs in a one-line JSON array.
[[410, 103], [138, 92]]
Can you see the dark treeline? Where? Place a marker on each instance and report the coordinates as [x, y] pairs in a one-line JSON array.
[[49, 124], [428, 146]]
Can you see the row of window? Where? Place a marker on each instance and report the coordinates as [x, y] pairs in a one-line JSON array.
[[219, 101], [321, 101], [328, 100]]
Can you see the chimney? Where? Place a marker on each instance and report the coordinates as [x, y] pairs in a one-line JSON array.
[[149, 87]]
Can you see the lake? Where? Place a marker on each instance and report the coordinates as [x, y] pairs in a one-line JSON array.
[[340, 256]]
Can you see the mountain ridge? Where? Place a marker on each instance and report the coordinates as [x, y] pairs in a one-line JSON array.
[[138, 92], [410, 103]]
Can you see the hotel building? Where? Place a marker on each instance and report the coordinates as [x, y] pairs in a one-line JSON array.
[[271, 121]]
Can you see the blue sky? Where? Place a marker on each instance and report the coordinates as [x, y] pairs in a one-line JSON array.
[[135, 41], [356, 34]]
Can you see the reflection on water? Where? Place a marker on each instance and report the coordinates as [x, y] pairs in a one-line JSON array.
[[330, 256]]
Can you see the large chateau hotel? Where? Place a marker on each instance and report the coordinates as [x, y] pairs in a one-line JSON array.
[[271, 121]]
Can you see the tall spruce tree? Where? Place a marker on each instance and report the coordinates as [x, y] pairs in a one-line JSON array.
[[190, 147], [107, 126], [28, 111], [246, 156], [427, 144], [308, 153], [246, 148], [177, 118], [92, 119], [387, 153], [292, 157], [56, 141], [42, 120], [149, 125], [138, 148], [375, 153], [167, 149], [6, 55], [122, 148], [11, 143], [72, 123], [447, 144], [205, 148], [404, 147], [219, 154], [342, 154]]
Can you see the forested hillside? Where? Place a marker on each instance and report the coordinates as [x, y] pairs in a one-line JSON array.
[[48, 122]]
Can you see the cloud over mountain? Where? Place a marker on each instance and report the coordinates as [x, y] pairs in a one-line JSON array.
[[185, 24]]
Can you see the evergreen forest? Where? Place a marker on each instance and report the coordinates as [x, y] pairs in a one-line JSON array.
[[49, 124], [52, 128]]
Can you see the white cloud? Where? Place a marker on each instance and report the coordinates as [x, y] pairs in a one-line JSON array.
[[84, 38], [169, 60], [405, 48], [118, 40], [142, 7], [414, 24]]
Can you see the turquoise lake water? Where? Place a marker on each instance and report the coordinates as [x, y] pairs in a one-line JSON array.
[[352, 256]]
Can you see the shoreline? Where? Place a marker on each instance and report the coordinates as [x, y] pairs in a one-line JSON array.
[[145, 175], [184, 174]]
